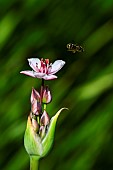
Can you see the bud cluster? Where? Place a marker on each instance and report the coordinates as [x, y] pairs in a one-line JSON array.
[[39, 116]]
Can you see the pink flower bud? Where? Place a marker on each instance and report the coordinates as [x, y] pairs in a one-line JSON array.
[[46, 97], [35, 105], [35, 95], [42, 131], [45, 120]]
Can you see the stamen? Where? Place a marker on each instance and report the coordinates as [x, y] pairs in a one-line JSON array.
[[47, 61], [44, 68]]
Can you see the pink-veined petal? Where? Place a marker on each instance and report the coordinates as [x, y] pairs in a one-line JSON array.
[[39, 75], [28, 73], [49, 77], [34, 63], [56, 66]]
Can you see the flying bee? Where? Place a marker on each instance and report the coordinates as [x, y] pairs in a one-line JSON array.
[[74, 48]]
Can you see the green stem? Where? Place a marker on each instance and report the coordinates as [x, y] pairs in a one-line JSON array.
[[45, 106], [41, 91], [34, 163]]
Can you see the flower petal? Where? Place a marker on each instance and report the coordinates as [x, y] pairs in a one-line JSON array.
[[34, 63], [39, 75], [28, 73], [56, 66], [49, 77]]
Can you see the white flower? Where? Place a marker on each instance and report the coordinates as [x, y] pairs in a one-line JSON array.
[[42, 69]]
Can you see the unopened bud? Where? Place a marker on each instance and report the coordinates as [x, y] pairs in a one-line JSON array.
[[35, 95], [45, 120], [35, 125], [46, 98], [42, 131], [36, 108], [35, 105]]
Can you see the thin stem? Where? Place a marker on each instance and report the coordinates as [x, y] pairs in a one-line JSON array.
[[42, 82], [45, 105], [41, 91], [34, 163]]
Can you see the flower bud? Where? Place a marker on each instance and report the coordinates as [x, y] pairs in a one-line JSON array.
[[35, 95], [45, 120], [42, 131], [46, 97], [35, 105], [35, 125], [36, 108]]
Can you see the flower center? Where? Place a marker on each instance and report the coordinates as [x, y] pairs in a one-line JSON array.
[[45, 67]]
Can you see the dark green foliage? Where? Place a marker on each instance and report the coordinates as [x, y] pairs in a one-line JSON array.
[[32, 28]]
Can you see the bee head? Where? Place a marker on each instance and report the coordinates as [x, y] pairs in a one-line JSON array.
[[69, 45]]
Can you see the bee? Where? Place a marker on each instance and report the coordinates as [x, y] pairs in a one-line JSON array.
[[74, 48]]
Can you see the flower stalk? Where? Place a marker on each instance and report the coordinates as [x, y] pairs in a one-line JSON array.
[[34, 163], [41, 91]]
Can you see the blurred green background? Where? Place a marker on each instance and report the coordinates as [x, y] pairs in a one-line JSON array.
[[33, 28]]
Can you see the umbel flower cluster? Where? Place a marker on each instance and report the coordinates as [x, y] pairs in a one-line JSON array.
[[40, 128]]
